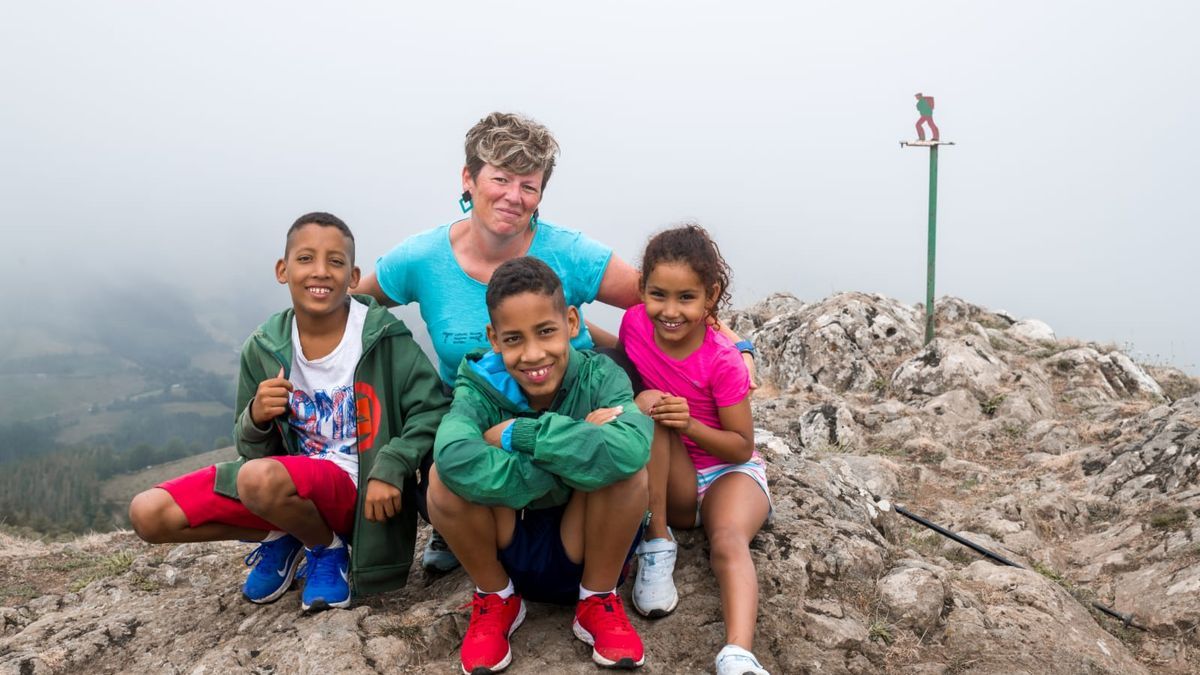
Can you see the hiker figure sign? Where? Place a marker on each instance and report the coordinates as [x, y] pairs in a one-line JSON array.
[[925, 107]]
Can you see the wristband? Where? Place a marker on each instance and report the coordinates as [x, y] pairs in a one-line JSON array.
[[746, 347], [506, 437]]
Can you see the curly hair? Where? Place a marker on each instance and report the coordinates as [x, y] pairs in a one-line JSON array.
[[511, 142], [690, 244], [524, 275]]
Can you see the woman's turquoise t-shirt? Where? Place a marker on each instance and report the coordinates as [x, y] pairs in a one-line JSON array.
[[423, 269]]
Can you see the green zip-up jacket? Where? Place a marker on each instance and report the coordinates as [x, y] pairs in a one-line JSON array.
[[552, 452], [399, 402]]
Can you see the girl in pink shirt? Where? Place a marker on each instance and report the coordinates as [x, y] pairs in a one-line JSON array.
[[703, 467]]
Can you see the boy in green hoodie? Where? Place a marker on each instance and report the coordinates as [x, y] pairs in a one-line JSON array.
[[539, 485], [333, 395]]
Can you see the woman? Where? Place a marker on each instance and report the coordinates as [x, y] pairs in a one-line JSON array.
[[509, 159], [445, 270]]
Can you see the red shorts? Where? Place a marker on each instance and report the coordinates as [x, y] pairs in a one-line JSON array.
[[320, 481]]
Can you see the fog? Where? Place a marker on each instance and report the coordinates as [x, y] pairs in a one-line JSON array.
[[169, 145]]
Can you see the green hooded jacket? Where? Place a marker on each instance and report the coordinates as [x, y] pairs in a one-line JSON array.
[[553, 452], [399, 402]]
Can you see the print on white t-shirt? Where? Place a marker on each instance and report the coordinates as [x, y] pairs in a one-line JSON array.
[[321, 406]]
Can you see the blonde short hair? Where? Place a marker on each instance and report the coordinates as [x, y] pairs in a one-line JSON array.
[[511, 142]]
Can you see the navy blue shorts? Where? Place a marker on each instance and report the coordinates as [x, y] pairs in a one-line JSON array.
[[538, 564], [422, 490]]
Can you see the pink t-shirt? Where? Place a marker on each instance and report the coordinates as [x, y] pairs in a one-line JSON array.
[[712, 376]]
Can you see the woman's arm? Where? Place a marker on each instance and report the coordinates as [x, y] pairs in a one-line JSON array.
[[619, 285], [747, 358], [370, 286], [600, 337]]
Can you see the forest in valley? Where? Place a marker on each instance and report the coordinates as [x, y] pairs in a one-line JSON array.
[[112, 389], [53, 487]]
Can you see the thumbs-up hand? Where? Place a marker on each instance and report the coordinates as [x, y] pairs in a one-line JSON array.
[[271, 399]]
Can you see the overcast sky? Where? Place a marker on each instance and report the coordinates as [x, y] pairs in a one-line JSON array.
[[174, 142]]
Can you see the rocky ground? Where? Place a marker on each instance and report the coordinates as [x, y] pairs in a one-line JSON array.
[[1065, 457]]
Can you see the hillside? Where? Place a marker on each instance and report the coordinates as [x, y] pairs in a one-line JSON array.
[[120, 489], [1063, 456], [100, 386]]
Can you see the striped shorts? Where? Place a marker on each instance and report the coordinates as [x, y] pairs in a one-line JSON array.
[[756, 468]]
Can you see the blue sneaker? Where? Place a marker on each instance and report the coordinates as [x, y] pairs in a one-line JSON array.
[[437, 556], [274, 566], [326, 579]]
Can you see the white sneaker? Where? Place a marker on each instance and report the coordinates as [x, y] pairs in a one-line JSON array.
[[654, 593], [733, 660]]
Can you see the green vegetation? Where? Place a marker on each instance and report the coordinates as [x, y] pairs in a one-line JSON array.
[[1012, 430], [880, 632], [929, 456], [103, 568], [1173, 519], [926, 543], [990, 406], [59, 491], [1102, 512], [879, 385], [1048, 348], [961, 555], [1048, 572], [52, 467], [19, 591], [994, 321], [107, 384]]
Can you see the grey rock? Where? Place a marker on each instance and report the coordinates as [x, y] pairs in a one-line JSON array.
[[1032, 330], [912, 597], [846, 343], [877, 474], [1047, 623], [1094, 378], [45, 604], [1160, 457], [747, 321], [827, 426], [947, 364], [957, 408]]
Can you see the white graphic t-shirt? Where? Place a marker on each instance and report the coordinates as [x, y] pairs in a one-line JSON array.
[[321, 405]]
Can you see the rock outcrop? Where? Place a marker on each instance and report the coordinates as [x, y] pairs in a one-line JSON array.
[[1066, 458]]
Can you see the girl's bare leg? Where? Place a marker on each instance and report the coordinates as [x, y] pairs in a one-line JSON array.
[[657, 470], [734, 509]]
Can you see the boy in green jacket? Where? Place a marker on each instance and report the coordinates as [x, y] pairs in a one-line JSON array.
[[539, 485], [332, 392]]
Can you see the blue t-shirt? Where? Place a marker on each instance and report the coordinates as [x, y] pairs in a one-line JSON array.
[[423, 269]]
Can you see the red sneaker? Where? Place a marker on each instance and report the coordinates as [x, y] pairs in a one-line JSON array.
[[493, 619], [600, 621]]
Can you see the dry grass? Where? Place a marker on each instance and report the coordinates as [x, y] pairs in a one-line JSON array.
[[105, 567], [1173, 519]]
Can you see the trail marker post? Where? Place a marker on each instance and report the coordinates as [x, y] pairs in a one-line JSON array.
[[925, 108]]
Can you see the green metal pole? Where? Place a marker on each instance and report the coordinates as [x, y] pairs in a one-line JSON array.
[[929, 271]]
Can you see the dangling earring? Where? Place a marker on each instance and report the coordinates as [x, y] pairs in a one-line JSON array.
[[533, 220], [464, 202]]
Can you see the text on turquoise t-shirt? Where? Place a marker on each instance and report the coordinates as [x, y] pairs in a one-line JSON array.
[[423, 269]]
